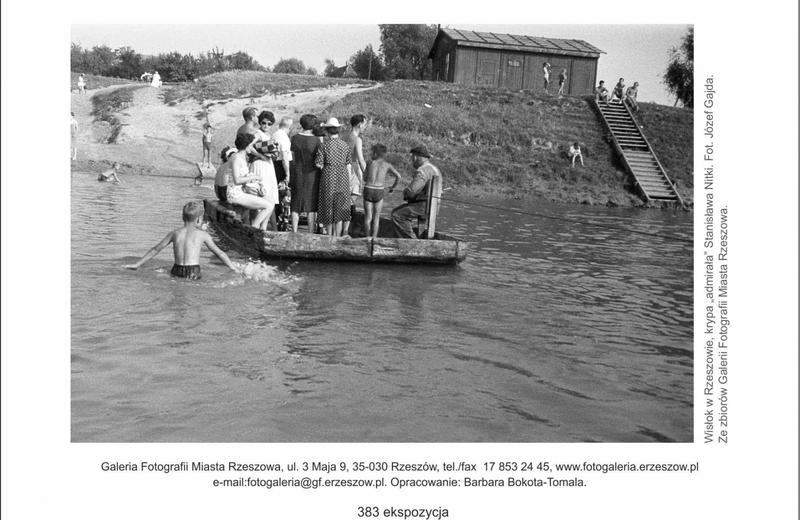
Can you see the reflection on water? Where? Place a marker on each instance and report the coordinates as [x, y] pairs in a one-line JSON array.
[[550, 331]]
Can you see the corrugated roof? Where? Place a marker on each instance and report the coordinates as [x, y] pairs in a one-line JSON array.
[[521, 42]]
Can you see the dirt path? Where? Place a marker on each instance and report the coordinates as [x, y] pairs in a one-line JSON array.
[[158, 139]]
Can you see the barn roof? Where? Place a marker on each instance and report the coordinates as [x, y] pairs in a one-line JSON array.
[[515, 42]]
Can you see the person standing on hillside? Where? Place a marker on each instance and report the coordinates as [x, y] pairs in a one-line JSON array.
[[546, 74], [415, 195], [353, 139], [562, 80], [81, 84], [73, 130]]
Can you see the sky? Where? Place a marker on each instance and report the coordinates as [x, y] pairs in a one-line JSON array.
[[636, 52]]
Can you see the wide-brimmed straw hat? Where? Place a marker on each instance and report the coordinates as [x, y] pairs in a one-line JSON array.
[[332, 123]]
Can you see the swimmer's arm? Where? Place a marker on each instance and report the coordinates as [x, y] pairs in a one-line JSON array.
[[209, 242], [153, 252]]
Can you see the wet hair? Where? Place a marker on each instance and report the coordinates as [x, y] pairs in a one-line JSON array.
[[249, 112], [308, 121], [192, 211], [266, 115], [379, 150], [357, 120], [243, 140]]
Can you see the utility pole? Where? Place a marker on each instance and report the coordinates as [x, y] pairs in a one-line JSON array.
[[369, 72]]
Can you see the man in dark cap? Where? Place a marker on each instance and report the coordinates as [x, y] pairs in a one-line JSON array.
[[415, 195]]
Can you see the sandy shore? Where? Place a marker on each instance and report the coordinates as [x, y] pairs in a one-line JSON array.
[[158, 139]]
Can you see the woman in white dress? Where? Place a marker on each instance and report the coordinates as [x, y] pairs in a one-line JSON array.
[[156, 82], [262, 165]]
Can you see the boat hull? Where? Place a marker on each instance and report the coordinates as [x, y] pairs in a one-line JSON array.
[[442, 249]]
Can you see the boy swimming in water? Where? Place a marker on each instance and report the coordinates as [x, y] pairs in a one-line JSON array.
[[186, 243], [108, 174], [373, 189]]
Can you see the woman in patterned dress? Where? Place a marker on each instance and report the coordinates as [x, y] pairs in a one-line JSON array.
[[333, 158]]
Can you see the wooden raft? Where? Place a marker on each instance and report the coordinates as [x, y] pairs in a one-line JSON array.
[[442, 249]]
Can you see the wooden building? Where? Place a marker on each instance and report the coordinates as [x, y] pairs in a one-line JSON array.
[[513, 62]]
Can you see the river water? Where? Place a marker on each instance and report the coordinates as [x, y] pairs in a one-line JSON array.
[[551, 331]]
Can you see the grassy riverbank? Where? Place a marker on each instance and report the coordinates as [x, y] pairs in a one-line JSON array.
[[96, 82], [515, 143], [251, 84]]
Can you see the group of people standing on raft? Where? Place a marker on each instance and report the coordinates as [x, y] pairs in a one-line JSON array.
[[325, 172]]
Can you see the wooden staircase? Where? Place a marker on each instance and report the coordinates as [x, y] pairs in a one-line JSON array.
[[637, 155]]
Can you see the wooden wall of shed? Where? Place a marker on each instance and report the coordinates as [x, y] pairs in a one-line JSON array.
[[490, 67]]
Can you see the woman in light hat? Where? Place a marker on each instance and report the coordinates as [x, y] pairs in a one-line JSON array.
[[334, 159]]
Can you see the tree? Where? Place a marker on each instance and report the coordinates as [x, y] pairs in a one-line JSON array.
[[368, 65], [330, 68], [405, 49], [129, 64], [311, 71], [679, 77], [289, 66]]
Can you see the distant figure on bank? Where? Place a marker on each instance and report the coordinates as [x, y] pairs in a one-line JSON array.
[[374, 176], [186, 243], [631, 94], [601, 93], [222, 179], [156, 81], [81, 84], [415, 195], [108, 174], [208, 136], [73, 131], [562, 80], [619, 91], [358, 124], [575, 153], [546, 74]]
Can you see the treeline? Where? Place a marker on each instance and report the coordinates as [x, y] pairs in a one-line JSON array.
[[126, 63], [403, 54]]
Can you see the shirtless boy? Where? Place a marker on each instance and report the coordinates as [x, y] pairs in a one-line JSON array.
[[108, 174], [186, 243], [208, 136], [374, 176]]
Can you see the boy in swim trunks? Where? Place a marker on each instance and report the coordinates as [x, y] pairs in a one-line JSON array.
[[186, 243], [108, 174], [374, 176]]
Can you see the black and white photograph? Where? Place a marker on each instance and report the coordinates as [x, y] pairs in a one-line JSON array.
[[463, 235], [421, 260]]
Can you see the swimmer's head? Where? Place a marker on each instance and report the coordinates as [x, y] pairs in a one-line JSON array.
[[192, 211]]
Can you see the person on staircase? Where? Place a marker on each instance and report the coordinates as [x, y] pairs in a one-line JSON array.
[[630, 96]]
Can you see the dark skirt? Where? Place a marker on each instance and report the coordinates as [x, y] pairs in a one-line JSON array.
[[305, 192]]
